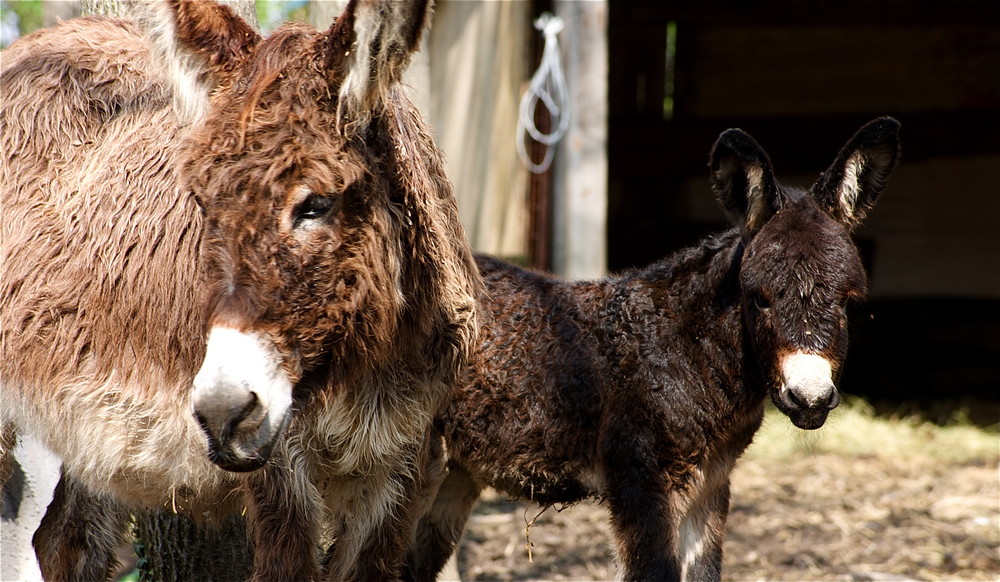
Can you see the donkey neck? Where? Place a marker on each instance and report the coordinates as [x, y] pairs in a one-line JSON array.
[[684, 306], [695, 297], [697, 294], [702, 280]]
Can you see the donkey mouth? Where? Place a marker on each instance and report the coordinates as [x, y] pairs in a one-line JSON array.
[[237, 461], [806, 392], [808, 419], [240, 454], [805, 415]]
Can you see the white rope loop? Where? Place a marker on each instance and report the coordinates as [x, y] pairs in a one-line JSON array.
[[547, 85]]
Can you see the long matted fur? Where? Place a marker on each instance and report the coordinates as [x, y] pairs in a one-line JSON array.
[[136, 219]]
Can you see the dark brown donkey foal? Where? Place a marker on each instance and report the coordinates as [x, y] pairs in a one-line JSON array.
[[643, 389]]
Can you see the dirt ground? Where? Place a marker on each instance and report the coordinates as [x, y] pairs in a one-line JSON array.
[[823, 517]]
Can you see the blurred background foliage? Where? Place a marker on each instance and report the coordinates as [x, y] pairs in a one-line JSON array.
[[21, 17]]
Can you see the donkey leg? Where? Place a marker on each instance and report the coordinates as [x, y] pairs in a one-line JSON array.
[[672, 533], [642, 524], [701, 533], [374, 531], [282, 512], [80, 534], [441, 527]]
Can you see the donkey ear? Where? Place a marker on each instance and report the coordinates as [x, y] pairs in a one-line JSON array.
[[199, 41], [849, 188], [369, 47], [742, 178]]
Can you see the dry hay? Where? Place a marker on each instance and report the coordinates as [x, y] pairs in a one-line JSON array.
[[866, 499]]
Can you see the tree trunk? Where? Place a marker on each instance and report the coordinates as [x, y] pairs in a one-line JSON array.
[[112, 8], [172, 547], [322, 12], [55, 11]]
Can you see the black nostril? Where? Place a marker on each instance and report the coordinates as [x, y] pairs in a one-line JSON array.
[[795, 401], [241, 415], [220, 417], [833, 401]]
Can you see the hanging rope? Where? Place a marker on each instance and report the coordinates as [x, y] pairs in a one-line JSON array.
[[548, 85]]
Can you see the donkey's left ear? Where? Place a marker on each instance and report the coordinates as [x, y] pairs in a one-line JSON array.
[[199, 42], [742, 178], [368, 48], [852, 184]]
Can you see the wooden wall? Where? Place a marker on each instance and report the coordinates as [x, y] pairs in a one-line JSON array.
[[801, 77]]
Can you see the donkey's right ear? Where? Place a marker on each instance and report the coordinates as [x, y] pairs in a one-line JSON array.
[[199, 41], [852, 184], [742, 178], [368, 48]]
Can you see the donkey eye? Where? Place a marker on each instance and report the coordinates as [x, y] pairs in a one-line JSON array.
[[313, 207], [761, 302]]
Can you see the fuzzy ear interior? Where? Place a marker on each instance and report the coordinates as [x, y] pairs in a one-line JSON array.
[[199, 41], [851, 185], [369, 47], [742, 178]]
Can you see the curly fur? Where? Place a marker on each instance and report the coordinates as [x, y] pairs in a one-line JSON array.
[[643, 389]]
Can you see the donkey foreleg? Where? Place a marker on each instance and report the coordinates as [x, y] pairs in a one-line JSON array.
[[700, 532], [441, 527], [641, 522], [379, 515], [373, 532], [282, 513], [79, 537], [659, 537]]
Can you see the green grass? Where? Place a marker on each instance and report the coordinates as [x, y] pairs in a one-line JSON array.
[[854, 430]]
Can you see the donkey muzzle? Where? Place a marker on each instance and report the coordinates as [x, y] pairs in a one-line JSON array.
[[807, 393], [241, 398]]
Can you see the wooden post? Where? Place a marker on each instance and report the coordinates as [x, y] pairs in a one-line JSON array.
[[321, 13], [580, 181]]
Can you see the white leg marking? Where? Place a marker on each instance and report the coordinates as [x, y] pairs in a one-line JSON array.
[[41, 473], [691, 540]]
